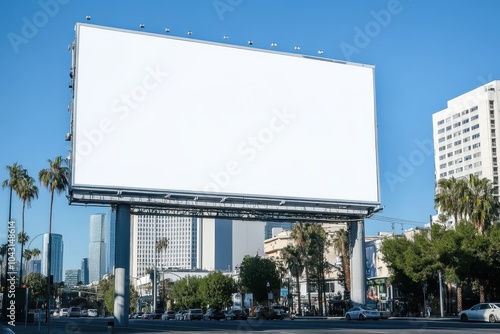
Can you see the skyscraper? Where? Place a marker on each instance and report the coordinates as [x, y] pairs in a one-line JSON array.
[[110, 241], [56, 262], [72, 277], [465, 140], [85, 271], [97, 247]]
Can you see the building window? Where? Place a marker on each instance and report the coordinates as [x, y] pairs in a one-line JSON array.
[[465, 112], [473, 109], [448, 119], [466, 139], [450, 154], [492, 104], [448, 137], [441, 122], [468, 157], [450, 163], [448, 128], [474, 127], [474, 117], [459, 160], [442, 175], [477, 164], [476, 155], [457, 133], [475, 136], [465, 121], [442, 148], [456, 116], [449, 145], [440, 131], [451, 172], [456, 124], [442, 166], [458, 142], [465, 130], [460, 169], [458, 151]]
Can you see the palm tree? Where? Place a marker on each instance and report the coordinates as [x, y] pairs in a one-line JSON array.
[[450, 198], [293, 259], [55, 179], [300, 233], [340, 243], [26, 191], [28, 255], [479, 201], [16, 172]]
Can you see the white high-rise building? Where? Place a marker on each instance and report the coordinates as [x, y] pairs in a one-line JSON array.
[[183, 240], [97, 247], [466, 135]]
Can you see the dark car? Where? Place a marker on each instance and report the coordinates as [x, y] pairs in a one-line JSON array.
[[236, 315], [156, 315], [194, 314], [168, 315], [214, 314]]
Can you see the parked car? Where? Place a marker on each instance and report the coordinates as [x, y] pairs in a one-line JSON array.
[[156, 315], [138, 315], [481, 312], [74, 311], [267, 313], [236, 315], [63, 312], [92, 312], [362, 313], [146, 315], [168, 315], [180, 315], [214, 314], [84, 313], [194, 314]]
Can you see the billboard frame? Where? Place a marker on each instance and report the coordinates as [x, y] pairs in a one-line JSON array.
[[223, 205]]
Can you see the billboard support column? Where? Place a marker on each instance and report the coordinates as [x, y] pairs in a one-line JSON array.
[[358, 272], [122, 267]]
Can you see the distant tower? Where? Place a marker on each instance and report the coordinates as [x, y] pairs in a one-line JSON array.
[[73, 276], [85, 271], [57, 249], [110, 241], [97, 247]]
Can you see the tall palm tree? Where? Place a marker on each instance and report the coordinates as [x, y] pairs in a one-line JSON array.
[[300, 233], [28, 255], [55, 179], [16, 173], [479, 201], [26, 191], [340, 243], [449, 198], [293, 259]]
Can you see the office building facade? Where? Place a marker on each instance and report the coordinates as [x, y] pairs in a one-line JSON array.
[[57, 251], [97, 247], [85, 271], [72, 277], [466, 135]]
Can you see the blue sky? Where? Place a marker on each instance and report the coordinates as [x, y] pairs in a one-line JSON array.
[[424, 52]]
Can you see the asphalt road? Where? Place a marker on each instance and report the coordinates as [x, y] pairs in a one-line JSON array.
[[390, 326]]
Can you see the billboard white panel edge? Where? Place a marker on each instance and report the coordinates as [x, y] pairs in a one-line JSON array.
[[158, 113]]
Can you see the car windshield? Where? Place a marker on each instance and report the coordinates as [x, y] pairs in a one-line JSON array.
[[497, 305]]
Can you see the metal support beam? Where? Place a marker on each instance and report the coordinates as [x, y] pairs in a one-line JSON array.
[[122, 265], [358, 262]]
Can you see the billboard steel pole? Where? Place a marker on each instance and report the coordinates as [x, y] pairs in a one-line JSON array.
[[122, 269]]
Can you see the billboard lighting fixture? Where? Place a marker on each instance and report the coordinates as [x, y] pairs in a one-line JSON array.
[[141, 25], [189, 33], [274, 44], [320, 52], [297, 48], [70, 85], [167, 30], [282, 203], [87, 17], [223, 199], [68, 137], [195, 199], [168, 196], [119, 193], [225, 37], [250, 42]]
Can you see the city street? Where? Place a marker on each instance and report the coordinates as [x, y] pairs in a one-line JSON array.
[[309, 326]]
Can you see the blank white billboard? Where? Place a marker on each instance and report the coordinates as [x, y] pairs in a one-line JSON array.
[[157, 113]]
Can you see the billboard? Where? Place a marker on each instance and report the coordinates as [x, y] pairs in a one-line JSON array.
[[154, 113]]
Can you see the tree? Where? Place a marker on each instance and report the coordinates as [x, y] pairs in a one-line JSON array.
[[293, 260], [300, 233], [255, 273], [216, 289], [26, 191], [480, 202], [28, 255], [37, 284], [317, 246], [16, 173], [450, 197], [340, 243], [55, 179]]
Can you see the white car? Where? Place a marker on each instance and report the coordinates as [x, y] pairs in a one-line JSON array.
[[92, 312], [63, 312], [362, 313], [481, 312]]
